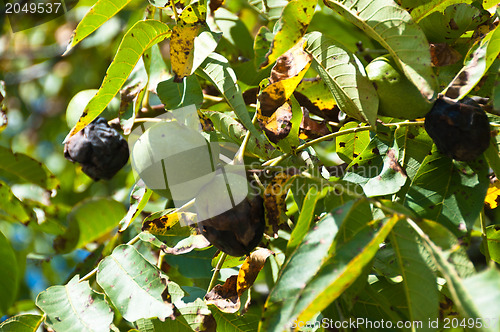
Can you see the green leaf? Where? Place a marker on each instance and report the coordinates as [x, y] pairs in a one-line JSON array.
[[75, 307], [11, 207], [262, 44], [9, 274], [230, 261], [485, 289], [100, 12], [234, 131], [421, 9], [176, 95], [341, 270], [377, 168], [476, 64], [350, 146], [305, 219], [493, 236], [459, 295], [419, 282], [393, 28], [20, 167], [447, 27], [449, 192], [311, 252], [139, 197], [136, 41], [344, 75], [218, 71], [271, 9], [290, 28], [234, 31], [414, 145], [88, 221], [22, 323], [233, 322], [133, 285]]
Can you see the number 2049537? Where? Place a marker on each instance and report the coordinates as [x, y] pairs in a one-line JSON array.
[[33, 8]]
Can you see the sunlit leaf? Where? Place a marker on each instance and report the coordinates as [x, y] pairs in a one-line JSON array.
[[350, 146], [75, 307], [161, 223], [311, 252], [476, 64], [272, 9], [22, 323], [290, 28], [133, 285], [100, 12], [191, 41], [394, 29], [20, 167], [455, 195], [344, 75], [233, 322], [421, 9], [262, 44], [305, 219], [138, 39], [319, 94], [225, 297], [491, 199], [251, 268], [9, 274]]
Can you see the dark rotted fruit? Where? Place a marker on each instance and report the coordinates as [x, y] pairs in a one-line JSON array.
[[237, 230], [100, 149], [461, 130]]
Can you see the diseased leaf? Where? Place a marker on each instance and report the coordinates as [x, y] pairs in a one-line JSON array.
[[161, 222], [133, 285], [476, 64], [136, 41], [394, 29], [20, 167], [22, 323], [290, 28], [350, 146], [9, 274], [344, 75], [274, 200], [225, 297], [492, 195], [75, 307], [271, 9], [319, 96], [449, 192], [191, 41], [421, 9], [251, 268], [100, 12]]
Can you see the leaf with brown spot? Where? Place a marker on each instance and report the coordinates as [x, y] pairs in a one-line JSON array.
[[274, 199], [215, 4], [251, 268], [320, 98], [443, 54], [290, 28], [195, 241], [310, 128], [159, 223], [286, 75], [225, 297], [191, 41]]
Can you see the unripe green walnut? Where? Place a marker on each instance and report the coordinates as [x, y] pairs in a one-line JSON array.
[[173, 160], [398, 97]]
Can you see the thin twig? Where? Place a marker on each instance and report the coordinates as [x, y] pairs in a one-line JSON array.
[[218, 267]]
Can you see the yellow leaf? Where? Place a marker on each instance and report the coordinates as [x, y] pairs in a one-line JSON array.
[[251, 268], [160, 225], [492, 199]]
